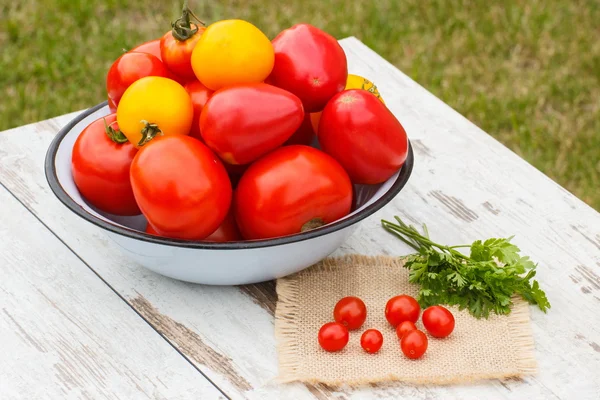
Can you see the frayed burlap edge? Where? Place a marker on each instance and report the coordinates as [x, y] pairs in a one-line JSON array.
[[286, 334]]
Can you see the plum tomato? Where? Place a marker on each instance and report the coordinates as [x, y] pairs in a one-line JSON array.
[[402, 308], [404, 327], [100, 164], [309, 63], [199, 95], [154, 106], [150, 47], [438, 321], [177, 45], [371, 341], [363, 135], [231, 52], [414, 344], [333, 336], [181, 187], [292, 189], [129, 68], [351, 312], [244, 122]]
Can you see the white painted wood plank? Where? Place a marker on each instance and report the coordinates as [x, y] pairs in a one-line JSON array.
[[465, 185], [65, 334]]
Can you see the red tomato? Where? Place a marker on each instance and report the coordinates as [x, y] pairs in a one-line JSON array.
[[181, 187], [333, 336], [351, 312], [438, 321], [359, 131], [151, 47], [226, 232], [414, 344], [129, 68], [176, 45], [100, 164], [244, 122], [404, 327], [371, 341], [309, 63], [402, 308], [199, 95], [294, 188], [303, 135]]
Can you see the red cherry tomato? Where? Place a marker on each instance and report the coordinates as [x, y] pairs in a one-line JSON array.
[[291, 189], [402, 308], [303, 135], [176, 45], [151, 47], [351, 312], [379, 150], [100, 164], [414, 344], [438, 321], [181, 187], [309, 63], [199, 95], [244, 122], [333, 336], [404, 327], [129, 68], [371, 341], [226, 232]]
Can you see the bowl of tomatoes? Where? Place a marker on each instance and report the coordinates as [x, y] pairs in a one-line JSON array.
[[212, 170]]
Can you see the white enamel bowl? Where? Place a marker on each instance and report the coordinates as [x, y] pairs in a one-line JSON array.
[[231, 263]]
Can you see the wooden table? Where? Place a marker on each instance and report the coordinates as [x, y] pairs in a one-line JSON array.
[[79, 320]]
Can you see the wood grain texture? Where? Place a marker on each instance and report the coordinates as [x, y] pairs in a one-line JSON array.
[[65, 334], [465, 186]]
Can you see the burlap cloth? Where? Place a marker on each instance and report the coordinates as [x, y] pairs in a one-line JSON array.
[[499, 347]]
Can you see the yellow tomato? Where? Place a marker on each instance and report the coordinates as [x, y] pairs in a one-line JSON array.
[[352, 82], [231, 52], [154, 105], [358, 82]]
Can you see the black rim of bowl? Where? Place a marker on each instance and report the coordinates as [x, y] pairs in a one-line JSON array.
[[51, 177]]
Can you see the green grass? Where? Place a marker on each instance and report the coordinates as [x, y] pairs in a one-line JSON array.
[[527, 72]]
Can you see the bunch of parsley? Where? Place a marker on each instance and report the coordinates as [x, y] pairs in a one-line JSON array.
[[482, 282]]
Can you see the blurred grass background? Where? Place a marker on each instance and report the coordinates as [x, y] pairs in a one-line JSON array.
[[527, 72]]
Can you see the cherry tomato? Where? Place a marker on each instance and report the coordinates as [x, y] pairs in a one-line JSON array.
[[181, 187], [402, 308], [414, 344], [154, 106], [404, 327], [438, 321], [291, 189], [382, 146], [176, 45], [309, 63], [129, 68], [371, 341], [244, 122], [304, 134], [226, 232], [151, 47], [230, 52], [333, 336], [351, 312], [100, 164], [199, 95]]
